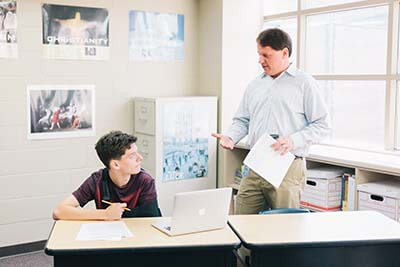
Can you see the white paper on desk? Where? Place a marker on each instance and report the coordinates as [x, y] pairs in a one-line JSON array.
[[103, 231], [267, 163]]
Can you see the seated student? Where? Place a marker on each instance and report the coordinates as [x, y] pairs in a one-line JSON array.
[[122, 182]]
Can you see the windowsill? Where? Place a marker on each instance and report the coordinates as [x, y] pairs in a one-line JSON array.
[[382, 162], [386, 162], [360, 146]]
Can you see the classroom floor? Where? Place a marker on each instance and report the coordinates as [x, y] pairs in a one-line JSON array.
[[38, 258]]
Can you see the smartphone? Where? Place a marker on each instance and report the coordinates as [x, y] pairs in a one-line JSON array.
[[275, 136]]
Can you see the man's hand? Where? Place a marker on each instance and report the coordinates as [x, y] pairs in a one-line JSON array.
[[283, 145], [114, 211], [224, 141]]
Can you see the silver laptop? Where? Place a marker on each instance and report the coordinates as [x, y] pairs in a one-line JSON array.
[[197, 211]]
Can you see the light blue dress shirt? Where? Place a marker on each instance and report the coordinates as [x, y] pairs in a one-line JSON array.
[[290, 105]]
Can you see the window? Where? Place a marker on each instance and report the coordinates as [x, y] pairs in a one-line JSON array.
[[321, 3], [281, 6], [363, 119], [397, 98], [345, 45], [288, 25], [348, 42], [397, 124]]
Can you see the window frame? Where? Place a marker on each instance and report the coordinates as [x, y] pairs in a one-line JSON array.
[[391, 76]]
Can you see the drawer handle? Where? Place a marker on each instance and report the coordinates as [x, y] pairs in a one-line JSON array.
[[145, 143], [311, 183], [144, 154], [143, 109], [143, 120], [376, 198]]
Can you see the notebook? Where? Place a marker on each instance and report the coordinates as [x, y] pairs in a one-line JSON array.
[[197, 211]]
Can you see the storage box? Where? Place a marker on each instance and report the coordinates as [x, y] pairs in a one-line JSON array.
[[323, 188], [382, 196]]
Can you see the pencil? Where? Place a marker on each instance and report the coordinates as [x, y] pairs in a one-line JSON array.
[[109, 203]]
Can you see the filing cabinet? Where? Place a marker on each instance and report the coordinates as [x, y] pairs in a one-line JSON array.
[[146, 147], [174, 139], [144, 116]]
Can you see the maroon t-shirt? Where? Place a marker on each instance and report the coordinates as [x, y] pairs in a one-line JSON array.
[[139, 191]]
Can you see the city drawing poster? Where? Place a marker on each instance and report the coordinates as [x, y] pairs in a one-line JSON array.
[[185, 141], [60, 111], [72, 32], [156, 36], [8, 29]]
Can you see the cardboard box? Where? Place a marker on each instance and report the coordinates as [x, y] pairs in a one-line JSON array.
[[323, 188], [382, 196]]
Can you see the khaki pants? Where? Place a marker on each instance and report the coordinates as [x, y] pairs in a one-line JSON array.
[[256, 194]]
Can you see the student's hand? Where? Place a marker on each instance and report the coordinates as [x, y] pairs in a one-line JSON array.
[[283, 145], [224, 141], [114, 211]]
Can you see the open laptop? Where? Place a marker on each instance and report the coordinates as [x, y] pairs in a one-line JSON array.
[[197, 211]]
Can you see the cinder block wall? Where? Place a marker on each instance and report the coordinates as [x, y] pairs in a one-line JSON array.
[[36, 175]]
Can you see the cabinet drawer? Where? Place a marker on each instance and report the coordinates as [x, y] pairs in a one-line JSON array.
[[146, 148], [144, 117]]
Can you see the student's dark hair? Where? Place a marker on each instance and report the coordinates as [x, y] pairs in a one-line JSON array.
[[276, 39], [113, 145]]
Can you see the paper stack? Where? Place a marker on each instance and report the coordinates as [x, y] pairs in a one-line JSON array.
[[103, 231]]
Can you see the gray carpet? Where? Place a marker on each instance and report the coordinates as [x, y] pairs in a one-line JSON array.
[[33, 259], [40, 259]]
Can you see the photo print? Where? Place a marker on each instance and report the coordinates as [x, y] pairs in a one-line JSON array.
[[72, 32], [185, 141], [156, 36], [8, 29], [60, 111]]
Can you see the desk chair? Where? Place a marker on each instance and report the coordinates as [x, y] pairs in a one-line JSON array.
[[284, 210], [273, 211]]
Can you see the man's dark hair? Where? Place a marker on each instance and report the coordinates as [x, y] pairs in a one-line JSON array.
[[113, 145], [276, 39]]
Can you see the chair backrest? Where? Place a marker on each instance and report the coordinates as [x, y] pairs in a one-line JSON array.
[[284, 210]]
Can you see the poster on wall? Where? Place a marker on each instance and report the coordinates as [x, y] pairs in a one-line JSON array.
[[57, 111], [72, 32], [8, 29], [185, 141], [156, 36]]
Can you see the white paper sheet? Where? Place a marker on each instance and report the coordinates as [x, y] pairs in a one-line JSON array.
[[103, 231], [267, 163]]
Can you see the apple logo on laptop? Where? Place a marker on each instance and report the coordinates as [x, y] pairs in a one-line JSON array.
[[202, 212]]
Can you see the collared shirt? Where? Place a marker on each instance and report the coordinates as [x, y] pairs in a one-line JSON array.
[[290, 105]]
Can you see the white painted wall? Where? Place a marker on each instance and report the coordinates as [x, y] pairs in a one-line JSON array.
[[36, 175], [210, 47], [227, 51], [227, 56], [241, 25]]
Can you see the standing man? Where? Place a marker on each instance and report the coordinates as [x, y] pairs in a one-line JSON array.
[[283, 101], [121, 189]]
